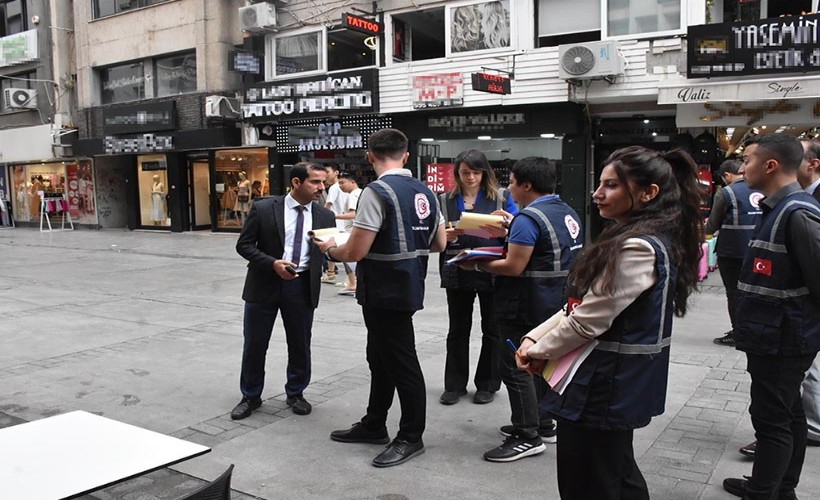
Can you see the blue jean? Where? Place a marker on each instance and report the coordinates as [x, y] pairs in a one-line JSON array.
[[520, 384], [297, 316]]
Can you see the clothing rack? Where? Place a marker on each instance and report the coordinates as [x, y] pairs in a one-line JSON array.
[[6, 217], [54, 204]]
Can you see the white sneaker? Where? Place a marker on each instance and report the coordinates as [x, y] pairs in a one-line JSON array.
[[347, 291], [341, 285], [328, 279]]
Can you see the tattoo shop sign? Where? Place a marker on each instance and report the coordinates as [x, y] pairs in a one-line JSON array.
[[339, 93]]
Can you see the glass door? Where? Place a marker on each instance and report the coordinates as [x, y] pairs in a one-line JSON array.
[[200, 195]]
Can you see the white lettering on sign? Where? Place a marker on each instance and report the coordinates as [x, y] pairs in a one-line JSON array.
[[142, 144]]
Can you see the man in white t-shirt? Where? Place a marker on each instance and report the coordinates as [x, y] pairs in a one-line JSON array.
[[348, 184], [337, 202]]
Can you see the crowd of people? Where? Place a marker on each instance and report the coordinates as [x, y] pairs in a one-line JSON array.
[[552, 293]]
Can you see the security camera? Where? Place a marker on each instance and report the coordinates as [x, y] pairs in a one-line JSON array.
[[35, 19]]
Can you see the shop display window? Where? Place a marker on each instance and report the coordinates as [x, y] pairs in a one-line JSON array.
[[299, 53], [153, 191], [241, 176], [350, 49], [32, 185]]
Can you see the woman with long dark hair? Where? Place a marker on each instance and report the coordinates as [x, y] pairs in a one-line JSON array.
[[476, 191], [622, 294]]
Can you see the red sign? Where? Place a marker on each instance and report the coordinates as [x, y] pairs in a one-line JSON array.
[[439, 90], [762, 266], [361, 24], [72, 178], [440, 177], [494, 84]]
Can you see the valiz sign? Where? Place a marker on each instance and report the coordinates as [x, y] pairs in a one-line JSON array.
[[494, 84]]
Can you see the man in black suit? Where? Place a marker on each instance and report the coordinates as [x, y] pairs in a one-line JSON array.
[[284, 269]]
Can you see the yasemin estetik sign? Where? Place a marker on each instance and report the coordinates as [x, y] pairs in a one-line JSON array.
[[335, 94]]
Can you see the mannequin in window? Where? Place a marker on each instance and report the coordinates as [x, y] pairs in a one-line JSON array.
[[243, 195], [158, 202], [266, 185], [34, 192]]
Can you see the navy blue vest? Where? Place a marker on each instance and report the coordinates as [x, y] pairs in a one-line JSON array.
[[622, 384], [453, 276], [775, 312], [740, 219], [392, 275], [538, 292]]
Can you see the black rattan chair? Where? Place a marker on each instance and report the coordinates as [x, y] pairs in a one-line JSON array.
[[218, 489]]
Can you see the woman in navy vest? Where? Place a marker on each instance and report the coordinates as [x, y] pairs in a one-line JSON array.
[[476, 191], [624, 290]]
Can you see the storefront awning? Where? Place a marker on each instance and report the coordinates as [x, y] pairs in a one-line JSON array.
[[705, 91]]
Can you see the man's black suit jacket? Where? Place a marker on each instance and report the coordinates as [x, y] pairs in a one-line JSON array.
[[816, 194], [262, 241]]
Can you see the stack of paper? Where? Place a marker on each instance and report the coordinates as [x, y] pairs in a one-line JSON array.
[[471, 223], [340, 237], [559, 372], [478, 254]]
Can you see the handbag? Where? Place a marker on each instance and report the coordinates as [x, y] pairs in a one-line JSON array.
[[243, 198]]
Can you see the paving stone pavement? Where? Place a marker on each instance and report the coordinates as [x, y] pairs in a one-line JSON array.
[[145, 328]]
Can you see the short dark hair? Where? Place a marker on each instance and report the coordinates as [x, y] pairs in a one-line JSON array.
[[729, 167], [537, 171], [784, 148], [387, 143], [300, 170], [331, 166], [349, 176], [813, 151]]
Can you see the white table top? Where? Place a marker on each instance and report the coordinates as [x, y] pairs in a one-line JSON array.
[[75, 453]]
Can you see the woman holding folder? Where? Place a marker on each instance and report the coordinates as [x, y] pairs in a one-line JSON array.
[[623, 292], [476, 192]]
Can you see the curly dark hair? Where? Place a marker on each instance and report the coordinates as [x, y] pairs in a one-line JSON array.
[[674, 212]]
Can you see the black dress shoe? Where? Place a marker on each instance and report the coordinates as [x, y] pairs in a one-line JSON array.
[[749, 450], [735, 486], [299, 405], [245, 408], [398, 452], [358, 434], [483, 397], [728, 339], [452, 397]]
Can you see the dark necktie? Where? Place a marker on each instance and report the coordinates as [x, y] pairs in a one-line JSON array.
[[297, 234]]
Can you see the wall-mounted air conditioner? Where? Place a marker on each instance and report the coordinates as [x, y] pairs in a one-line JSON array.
[[586, 61], [19, 98], [218, 106], [257, 17]]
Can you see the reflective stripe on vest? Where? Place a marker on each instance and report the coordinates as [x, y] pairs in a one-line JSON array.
[[404, 252], [556, 245], [771, 292], [765, 245], [662, 342], [776, 224], [735, 214]]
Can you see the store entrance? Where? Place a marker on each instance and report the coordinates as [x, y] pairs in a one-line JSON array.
[[152, 179], [199, 183]]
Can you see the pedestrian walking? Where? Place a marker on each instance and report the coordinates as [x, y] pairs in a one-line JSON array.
[[398, 223], [283, 275], [477, 192], [623, 291], [735, 212], [543, 241], [778, 315]]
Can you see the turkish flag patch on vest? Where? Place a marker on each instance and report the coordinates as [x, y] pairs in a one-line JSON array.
[[762, 266]]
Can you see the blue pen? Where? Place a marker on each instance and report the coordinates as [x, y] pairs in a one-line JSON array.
[[512, 345]]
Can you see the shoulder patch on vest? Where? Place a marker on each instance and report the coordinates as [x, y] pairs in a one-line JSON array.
[[422, 205], [755, 198], [572, 226]]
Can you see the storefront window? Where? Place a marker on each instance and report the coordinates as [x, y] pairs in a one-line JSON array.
[[122, 83], [80, 192], [298, 53], [479, 26], [31, 184], [108, 7], [418, 35], [241, 176], [176, 74], [153, 189], [350, 49]]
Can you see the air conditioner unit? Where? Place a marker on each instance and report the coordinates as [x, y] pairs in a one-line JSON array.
[[257, 17], [585, 61], [19, 98], [222, 107]]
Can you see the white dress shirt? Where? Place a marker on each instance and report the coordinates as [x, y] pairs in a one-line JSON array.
[[290, 228]]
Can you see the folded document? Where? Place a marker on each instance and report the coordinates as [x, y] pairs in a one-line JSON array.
[[471, 223], [478, 254], [339, 237]]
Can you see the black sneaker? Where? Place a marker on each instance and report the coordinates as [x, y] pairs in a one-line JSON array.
[[728, 339], [514, 448], [245, 408], [548, 433]]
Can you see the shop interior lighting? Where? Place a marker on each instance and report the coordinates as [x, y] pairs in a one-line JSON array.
[[763, 127], [548, 136], [654, 134], [730, 132], [427, 139], [484, 137], [646, 121]]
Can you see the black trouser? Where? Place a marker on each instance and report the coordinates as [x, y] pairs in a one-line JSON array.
[[394, 367], [457, 368], [597, 464], [520, 384], [729, 268], [779, 423]]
